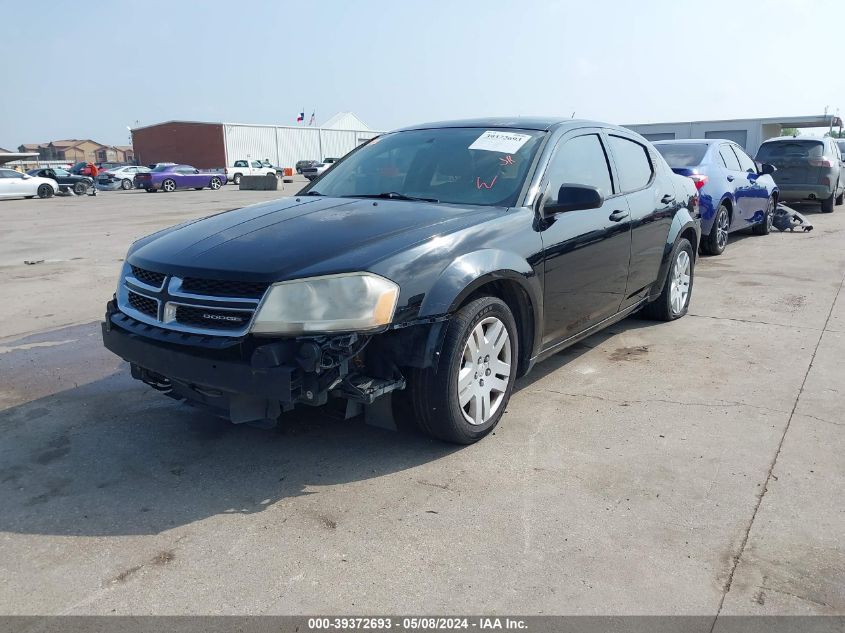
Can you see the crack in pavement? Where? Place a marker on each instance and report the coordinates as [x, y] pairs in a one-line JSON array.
[[791, 327], [720, 403], [738, 556]]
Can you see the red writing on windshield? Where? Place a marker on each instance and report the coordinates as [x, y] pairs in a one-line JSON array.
[[479, 184]]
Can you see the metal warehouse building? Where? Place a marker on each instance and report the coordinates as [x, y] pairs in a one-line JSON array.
[[749, 133], [214, 145]]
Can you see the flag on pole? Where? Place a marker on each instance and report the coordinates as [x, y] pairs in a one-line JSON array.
[[311, 120], [301, 116]]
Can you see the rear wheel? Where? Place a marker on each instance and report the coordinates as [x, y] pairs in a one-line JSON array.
[[716, 241], [169, 185], [765, 227], [464, 396], [236, 179], [44, 191], [126, 184], [827, 203], [673, 301], [215, 183]]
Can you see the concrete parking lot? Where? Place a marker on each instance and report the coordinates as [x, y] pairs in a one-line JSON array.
[[693, 467]]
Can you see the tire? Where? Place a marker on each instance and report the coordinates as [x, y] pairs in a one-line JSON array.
[[669, 306], [149, 190], [765, 227], [236, 179], [28, 197], [215, 183], [716, 241], [828, 203], [45, 191], [80, 188], [840, 199], [168, 185], [126, 184], [434, 393]]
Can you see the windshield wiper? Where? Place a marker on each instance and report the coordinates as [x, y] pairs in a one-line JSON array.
[[391, 195]]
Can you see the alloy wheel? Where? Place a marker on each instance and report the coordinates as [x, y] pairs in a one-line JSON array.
[[168, 185], [679, 291], [722, 229], [215, 183], [486, 365]]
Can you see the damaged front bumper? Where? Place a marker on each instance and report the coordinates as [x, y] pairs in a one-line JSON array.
[[249, 379]]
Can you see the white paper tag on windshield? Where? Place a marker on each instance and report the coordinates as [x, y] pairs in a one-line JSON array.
[[498, 141]]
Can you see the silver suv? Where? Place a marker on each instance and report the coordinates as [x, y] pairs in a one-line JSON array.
[[808, 169]]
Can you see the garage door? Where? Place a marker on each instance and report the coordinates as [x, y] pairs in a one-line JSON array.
[[740, 137], [662, 136]]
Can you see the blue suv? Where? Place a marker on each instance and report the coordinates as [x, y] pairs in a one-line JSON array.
[[736, 193]]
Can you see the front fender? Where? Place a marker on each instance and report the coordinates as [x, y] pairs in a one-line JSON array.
[[683, 223]]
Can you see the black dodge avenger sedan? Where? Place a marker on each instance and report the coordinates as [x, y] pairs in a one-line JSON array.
[[419, 276]]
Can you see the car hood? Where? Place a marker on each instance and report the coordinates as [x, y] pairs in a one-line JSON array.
[[300, 237]]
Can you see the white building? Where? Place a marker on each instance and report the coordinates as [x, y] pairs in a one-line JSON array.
[[749, 133]]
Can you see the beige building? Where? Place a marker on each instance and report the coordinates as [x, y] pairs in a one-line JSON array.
[[79, 150]]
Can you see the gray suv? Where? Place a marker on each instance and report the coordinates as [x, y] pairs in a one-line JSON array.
[[808, 169]]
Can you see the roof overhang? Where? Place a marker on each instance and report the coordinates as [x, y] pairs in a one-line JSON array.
[[8, 157], [819, 120]]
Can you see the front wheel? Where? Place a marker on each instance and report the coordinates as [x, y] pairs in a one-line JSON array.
[[126, 184], [80, 188], [44, 191], [673, 301], [464, 396], [169, 185], [765, 227], [215, 183]]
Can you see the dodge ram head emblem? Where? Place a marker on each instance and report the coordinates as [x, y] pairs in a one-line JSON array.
[[221, 317]]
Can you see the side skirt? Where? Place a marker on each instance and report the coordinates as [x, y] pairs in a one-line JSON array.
[[561, 345]]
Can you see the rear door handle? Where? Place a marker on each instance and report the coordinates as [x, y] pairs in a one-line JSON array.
[[667, 198], [730, 178], [618, 216]]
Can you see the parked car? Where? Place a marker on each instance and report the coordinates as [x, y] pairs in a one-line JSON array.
[[316, 170], [302, 164], [241, 168], [120, 177], [66, 180], [171, 177], [808, 169], [439, 263], [735, 192], [14, 184]]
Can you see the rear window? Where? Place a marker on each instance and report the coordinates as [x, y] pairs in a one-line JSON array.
[[784, 150], [682, 154]]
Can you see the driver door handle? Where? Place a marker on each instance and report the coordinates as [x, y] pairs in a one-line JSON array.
[[618, 216], [730, 178], [667, 198]]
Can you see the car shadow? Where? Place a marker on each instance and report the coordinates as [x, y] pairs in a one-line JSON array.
[[89, 451]]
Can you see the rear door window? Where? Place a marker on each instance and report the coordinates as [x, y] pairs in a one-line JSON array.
[[729, 159], [632, 163], [745, 162]]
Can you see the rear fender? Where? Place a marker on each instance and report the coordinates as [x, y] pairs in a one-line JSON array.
[[683, 223]]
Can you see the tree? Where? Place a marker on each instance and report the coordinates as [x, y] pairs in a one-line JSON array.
[[789, 131]]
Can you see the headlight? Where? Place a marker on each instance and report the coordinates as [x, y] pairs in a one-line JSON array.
[[334, 303]]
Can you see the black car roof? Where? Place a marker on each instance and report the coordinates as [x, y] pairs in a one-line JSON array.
[[525, 123]]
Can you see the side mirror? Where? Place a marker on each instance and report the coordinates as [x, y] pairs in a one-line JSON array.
[[26, 176], [573, 198], [767, 168], [196, 171]]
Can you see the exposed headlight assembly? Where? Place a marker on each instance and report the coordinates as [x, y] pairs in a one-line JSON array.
[[349, 302]]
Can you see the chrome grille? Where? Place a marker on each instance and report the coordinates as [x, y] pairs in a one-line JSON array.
[[193, 305]]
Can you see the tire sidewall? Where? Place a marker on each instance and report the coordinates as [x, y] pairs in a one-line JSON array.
[[126, 184], [450, 365], [682, 244], [713, 238]]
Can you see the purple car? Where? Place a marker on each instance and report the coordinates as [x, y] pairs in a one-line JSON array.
[[172, 177]]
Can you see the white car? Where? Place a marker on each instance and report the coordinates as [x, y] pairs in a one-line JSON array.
[[243, 168], [14, 184], [120, 177]]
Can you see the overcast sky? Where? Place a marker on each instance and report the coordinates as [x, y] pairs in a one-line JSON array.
[[76, 72]]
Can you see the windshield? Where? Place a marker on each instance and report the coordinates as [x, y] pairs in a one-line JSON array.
[[455, 165], [61, 172], [682, 154], [779, 150]]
